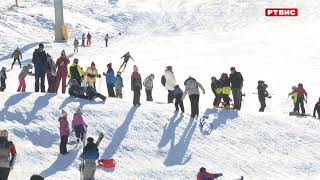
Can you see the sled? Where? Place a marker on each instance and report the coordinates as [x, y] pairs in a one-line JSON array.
[[107, 163], [65, 33]]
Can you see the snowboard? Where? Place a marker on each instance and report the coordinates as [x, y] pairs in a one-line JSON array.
[[299, 114]]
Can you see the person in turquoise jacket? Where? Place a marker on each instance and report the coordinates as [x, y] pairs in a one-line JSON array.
[[118, 85]]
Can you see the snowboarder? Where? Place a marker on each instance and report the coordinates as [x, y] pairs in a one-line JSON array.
[[39, 60], [170, 82], [136, 86], [106, 38], [17, 56], [90, 155], [192, 89], [89, 39], [36, 177], [148, 86], [217, 91], [75, 71], [110, 80], [119, 85], [83, 40], [62, 72], [64, 132], [126, 58], [92, 74], [236, 80], [262, 94], [76, 45], [7, 154], [78, 125], [204, 175], [23, 74], [301, 94], [178, 93], [3, 77], [316, 109], [51, 74], [226, 89]]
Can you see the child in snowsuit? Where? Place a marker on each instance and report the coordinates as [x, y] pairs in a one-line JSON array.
[[148, 86], [24, 72], [262, 94], [118, 85], [3, 77], [301, 94], [90, 155], [177, 94], [217, 91], [7, 154], [204, 175], [316, 109], [226, 89], [78, 125], [64, 132]]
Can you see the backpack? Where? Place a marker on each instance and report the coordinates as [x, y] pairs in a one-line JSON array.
[[163, 80]]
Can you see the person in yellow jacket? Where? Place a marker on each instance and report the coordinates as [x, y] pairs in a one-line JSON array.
[[226, 89], [294, 97], [75, 71], [92, 74]]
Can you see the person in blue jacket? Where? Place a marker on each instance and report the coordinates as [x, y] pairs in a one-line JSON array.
[[90, 155], [110, 79], [39, 59]]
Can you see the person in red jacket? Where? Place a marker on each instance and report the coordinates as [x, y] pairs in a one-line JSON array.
[[136, 86], [301, 93], [62, 72], [7, 155], [204, 175]]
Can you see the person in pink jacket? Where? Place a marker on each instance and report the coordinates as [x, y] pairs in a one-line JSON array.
[[78, 125], [64, 132], [62, 72]]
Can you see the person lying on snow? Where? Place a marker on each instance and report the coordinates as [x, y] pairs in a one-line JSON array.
[[204, 175], [86, 92]]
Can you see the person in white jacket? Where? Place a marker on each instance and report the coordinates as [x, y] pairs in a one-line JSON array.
[[192, 89], [170, 83]]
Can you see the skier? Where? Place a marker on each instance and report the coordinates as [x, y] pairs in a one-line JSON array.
[[64, 132], [23, 74], [7, 154], [83, 39], [75, 71], [136, 86], [170, 82], [204, 175], [3, 77], [110, 80], [51, 74], [192, 89], [262, 94], [126, 58], [178, 93], [217, 91], [316, 109], [148, 86], [78, 125], [36, 177], [92, 74], [106, 38], [89, 39], [76, 45], [39, 60], [118, 85], [301, 94], [90, 155], [17, 56], [236, 80], [62, 72], [226, 89]]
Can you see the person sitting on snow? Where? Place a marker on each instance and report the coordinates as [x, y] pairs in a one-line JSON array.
[[204, 175]]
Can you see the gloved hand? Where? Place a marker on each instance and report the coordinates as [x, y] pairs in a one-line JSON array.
[[104, 74], [269, 96], [99, 76]]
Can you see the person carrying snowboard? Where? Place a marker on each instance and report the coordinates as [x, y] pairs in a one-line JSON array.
[[106, 38], [76, 45], [177, 94], [110, 80], [226, 89], [136, 86], [78, 125], [64, 132], [148, 86], [126, 58], [17, 56], [7, 155], [89, 39], [301, 94], [83, 38], [90, 155], [3, 78], [22, 76], [118, 85], [204, 175], [51, 74], [262, 94], [217, 91], [169, 81], [236, 80], [316, 109]]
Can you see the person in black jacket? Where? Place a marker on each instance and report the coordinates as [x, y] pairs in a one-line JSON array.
[[217, 91], [3, 77], [316, 109], [177, 93], [236, 80], [39, 60], [262, 94]]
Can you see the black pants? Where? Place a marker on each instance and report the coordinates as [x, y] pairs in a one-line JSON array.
[[106, 43], [14, 61], [179, 102], [102, 97], [63, 144], [300, 104], [262, 104], [4, 173], [119, 93], [41, 78], [194, 100], [82, 43], [79, 130], [136, 97], [170, 96], [149, 95], [217, 100], [3, 84], [110, 90], [226, 99]]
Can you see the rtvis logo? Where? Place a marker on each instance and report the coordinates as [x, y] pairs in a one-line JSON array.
[[281, 12]]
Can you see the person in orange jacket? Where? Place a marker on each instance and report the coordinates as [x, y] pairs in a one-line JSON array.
[[204, 175]]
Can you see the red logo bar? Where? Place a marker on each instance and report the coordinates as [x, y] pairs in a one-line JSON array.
[[281, 11]]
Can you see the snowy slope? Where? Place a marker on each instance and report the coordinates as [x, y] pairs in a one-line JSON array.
[[198, 38]]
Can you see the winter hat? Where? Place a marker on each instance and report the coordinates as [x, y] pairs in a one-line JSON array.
[[93, 64], [76, 60], [118, 73], [90, 140], [232, 69], [152, 75], [176, 86], [300, 85], [135, 68], [4, 68], [260, 82], [169, 68], [41, 45], [30, 66], [36, 177], [79, 110], [63, 53], [202, 169], [213, 78], [63, 112], [109, 65]]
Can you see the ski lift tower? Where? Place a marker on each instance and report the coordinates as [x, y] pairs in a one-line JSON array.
[[59, 21]]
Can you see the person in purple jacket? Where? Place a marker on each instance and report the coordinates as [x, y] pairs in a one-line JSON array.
[[64, 132], [78, 125]]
